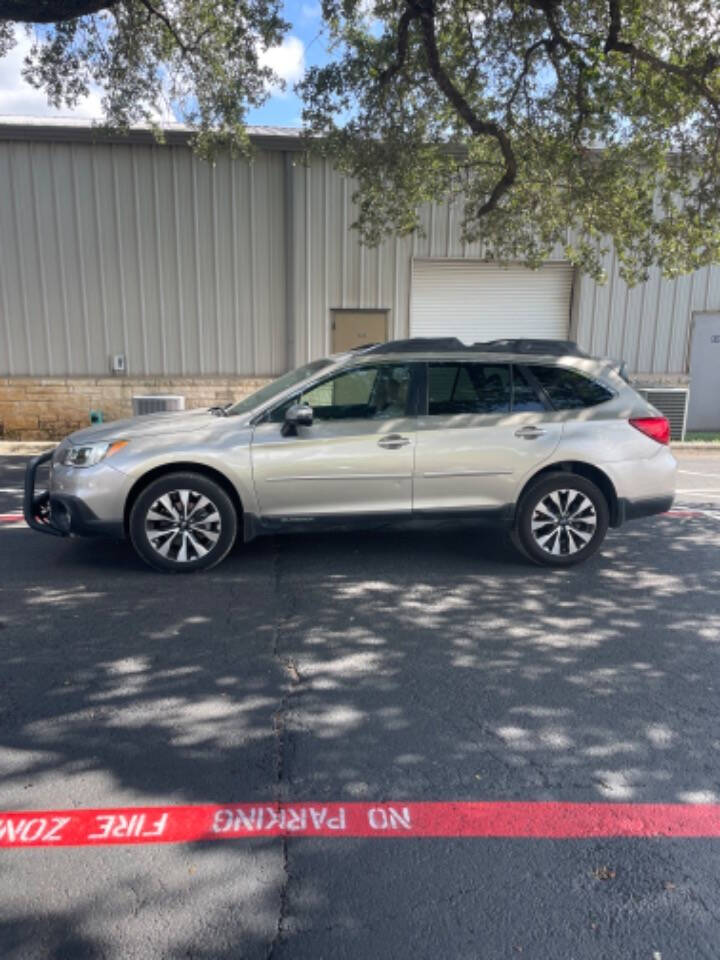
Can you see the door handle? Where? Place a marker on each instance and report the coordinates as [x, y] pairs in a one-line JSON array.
[[393, 441], [529, 433]]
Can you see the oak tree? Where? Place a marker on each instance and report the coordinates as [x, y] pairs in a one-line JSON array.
[[551, 122], [199, 59]]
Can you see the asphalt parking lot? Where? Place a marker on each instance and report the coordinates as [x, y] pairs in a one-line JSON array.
[[377, 667]]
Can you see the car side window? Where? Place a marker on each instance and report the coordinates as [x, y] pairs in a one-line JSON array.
[[526, 397], [468, 388], [363, 393], [570, 390]]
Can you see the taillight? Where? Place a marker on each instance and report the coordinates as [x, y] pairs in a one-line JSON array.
[[657, 428]]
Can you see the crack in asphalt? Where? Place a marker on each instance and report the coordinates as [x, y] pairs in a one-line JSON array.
[[281, 736]]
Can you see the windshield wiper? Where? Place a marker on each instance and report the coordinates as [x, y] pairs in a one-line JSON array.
[[218, 411]]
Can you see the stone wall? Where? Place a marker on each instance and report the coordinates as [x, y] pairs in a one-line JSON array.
[[48, 408]]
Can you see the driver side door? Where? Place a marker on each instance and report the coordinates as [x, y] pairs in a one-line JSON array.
[[356, 458]]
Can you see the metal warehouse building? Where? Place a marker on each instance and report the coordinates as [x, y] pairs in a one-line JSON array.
[[201, 280]]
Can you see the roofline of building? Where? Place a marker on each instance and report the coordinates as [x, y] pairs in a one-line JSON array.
[[77, 130], [84, 130]]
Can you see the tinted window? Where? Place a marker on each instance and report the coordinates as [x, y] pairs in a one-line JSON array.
[[525, 396], [468, 388], [569, 390], [363, 393]]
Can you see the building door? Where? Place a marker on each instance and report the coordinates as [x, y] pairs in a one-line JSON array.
[[357, 328], [704, 405], [479, 301]]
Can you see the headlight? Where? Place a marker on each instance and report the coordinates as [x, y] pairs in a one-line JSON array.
[[88, 454]]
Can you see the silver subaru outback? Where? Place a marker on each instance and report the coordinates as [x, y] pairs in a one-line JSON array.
[[534, 437]]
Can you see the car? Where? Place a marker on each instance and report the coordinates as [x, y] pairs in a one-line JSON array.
[[532, 437]]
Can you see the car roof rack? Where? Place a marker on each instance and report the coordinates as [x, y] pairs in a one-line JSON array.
[[553, 348], [420, 345]]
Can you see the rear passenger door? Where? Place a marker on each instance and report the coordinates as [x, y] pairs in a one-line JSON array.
[[485, 428]]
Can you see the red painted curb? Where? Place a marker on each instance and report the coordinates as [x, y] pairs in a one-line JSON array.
[[184, 824]]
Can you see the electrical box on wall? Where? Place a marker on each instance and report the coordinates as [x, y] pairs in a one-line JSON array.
[[118, 363]]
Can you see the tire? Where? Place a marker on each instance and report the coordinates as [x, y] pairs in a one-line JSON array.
[[576, 514], [517, 543], [183, 522]]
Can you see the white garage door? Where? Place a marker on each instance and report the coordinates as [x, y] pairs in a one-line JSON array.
[[478, 301]]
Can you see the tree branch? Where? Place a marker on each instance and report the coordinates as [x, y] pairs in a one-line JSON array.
[[479, 127], [168, 23], [527, 58], [549, 8], [50, 11], [402, 46], [693, 76]]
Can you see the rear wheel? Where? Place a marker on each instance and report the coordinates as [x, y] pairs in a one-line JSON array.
[[183, 522], [562, 520]]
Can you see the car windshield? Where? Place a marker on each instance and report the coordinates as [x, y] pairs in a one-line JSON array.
[[277, 387]]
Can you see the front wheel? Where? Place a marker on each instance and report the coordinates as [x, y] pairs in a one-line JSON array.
[[562, 520], [183, 522]]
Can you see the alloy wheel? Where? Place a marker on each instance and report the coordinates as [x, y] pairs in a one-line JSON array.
[[183, 525], [563, 522]]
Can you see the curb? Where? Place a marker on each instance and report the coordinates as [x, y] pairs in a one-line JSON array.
[[709, 446], [20, 447]]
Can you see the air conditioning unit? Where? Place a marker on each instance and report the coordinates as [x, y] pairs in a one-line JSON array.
[[672, 402], [157, 404]]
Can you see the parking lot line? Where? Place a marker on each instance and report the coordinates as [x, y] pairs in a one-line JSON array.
[[12, 519], [184, 824], [697, 473], [698, 490]]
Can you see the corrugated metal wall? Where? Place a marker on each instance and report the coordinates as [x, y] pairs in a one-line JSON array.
[[648, 325], [141, 250], [234, 269], [333, 270]]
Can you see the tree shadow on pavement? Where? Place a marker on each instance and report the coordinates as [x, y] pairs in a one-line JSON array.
[[374, 666]]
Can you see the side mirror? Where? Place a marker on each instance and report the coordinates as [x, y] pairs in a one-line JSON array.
[[297, 415]]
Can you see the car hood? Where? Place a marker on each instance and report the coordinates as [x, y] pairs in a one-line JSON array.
[[150, 424]]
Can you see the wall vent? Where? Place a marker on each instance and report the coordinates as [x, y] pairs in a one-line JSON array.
[[672, 402], [157, 404]]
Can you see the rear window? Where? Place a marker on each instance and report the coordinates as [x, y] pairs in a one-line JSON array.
[[468, 388], [570, 390]]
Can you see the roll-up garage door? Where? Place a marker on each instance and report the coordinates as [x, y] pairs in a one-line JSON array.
[[479, 301]]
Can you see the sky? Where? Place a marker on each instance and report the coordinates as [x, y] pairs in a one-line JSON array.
[[305, 45]]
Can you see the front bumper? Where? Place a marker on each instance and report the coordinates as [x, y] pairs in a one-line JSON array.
[[62, 514], [36, 508]]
